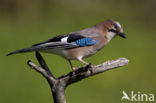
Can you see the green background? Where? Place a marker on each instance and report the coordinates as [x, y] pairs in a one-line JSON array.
[[26, 22]]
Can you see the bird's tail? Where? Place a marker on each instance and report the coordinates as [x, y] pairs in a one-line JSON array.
[[45, 46], [33, 48]]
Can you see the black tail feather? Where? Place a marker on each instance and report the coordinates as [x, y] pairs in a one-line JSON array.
[[52, 45], [22, 50]]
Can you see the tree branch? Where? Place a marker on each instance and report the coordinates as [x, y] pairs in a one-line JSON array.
[[59, 85], [43, 63]]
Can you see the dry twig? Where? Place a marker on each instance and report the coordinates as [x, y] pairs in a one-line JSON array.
[[58, 85]]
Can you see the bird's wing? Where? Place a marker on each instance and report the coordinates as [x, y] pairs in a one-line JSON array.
[[67, 41], [56, 45], [60, 42]]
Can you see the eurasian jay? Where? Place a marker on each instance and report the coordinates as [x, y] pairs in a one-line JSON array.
[[80, 44]]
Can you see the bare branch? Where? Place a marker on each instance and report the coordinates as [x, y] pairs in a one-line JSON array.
[[43, 63], [88, 71], [59, 85], [42, 71]]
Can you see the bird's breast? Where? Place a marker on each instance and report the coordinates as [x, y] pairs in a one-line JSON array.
[[80, 52], [60, 52]]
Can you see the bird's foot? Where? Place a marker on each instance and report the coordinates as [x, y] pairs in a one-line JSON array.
[[91, 68], [74, 69], [87, 67]]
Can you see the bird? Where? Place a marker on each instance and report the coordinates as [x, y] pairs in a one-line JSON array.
[[79, 44]]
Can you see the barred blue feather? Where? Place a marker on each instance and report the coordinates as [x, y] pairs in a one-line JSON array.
[[86, 42]]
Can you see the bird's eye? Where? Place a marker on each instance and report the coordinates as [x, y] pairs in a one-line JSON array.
[[115, 26]]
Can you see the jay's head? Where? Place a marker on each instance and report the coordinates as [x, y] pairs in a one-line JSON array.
[[115, 27], [112, 28]]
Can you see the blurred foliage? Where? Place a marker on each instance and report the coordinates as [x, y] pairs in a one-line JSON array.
[[26, 22]]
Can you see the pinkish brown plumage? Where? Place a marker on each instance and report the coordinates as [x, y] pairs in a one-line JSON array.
[[79, 44]]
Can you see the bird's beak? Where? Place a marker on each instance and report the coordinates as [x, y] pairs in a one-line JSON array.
[[122, 35]]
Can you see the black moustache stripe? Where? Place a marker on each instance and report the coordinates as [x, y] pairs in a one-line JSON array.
[[112, 30]]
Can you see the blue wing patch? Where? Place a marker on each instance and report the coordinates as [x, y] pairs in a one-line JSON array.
[[86, 42]]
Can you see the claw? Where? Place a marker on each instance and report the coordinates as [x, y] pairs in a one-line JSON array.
[[74, 69], [91, 68]]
